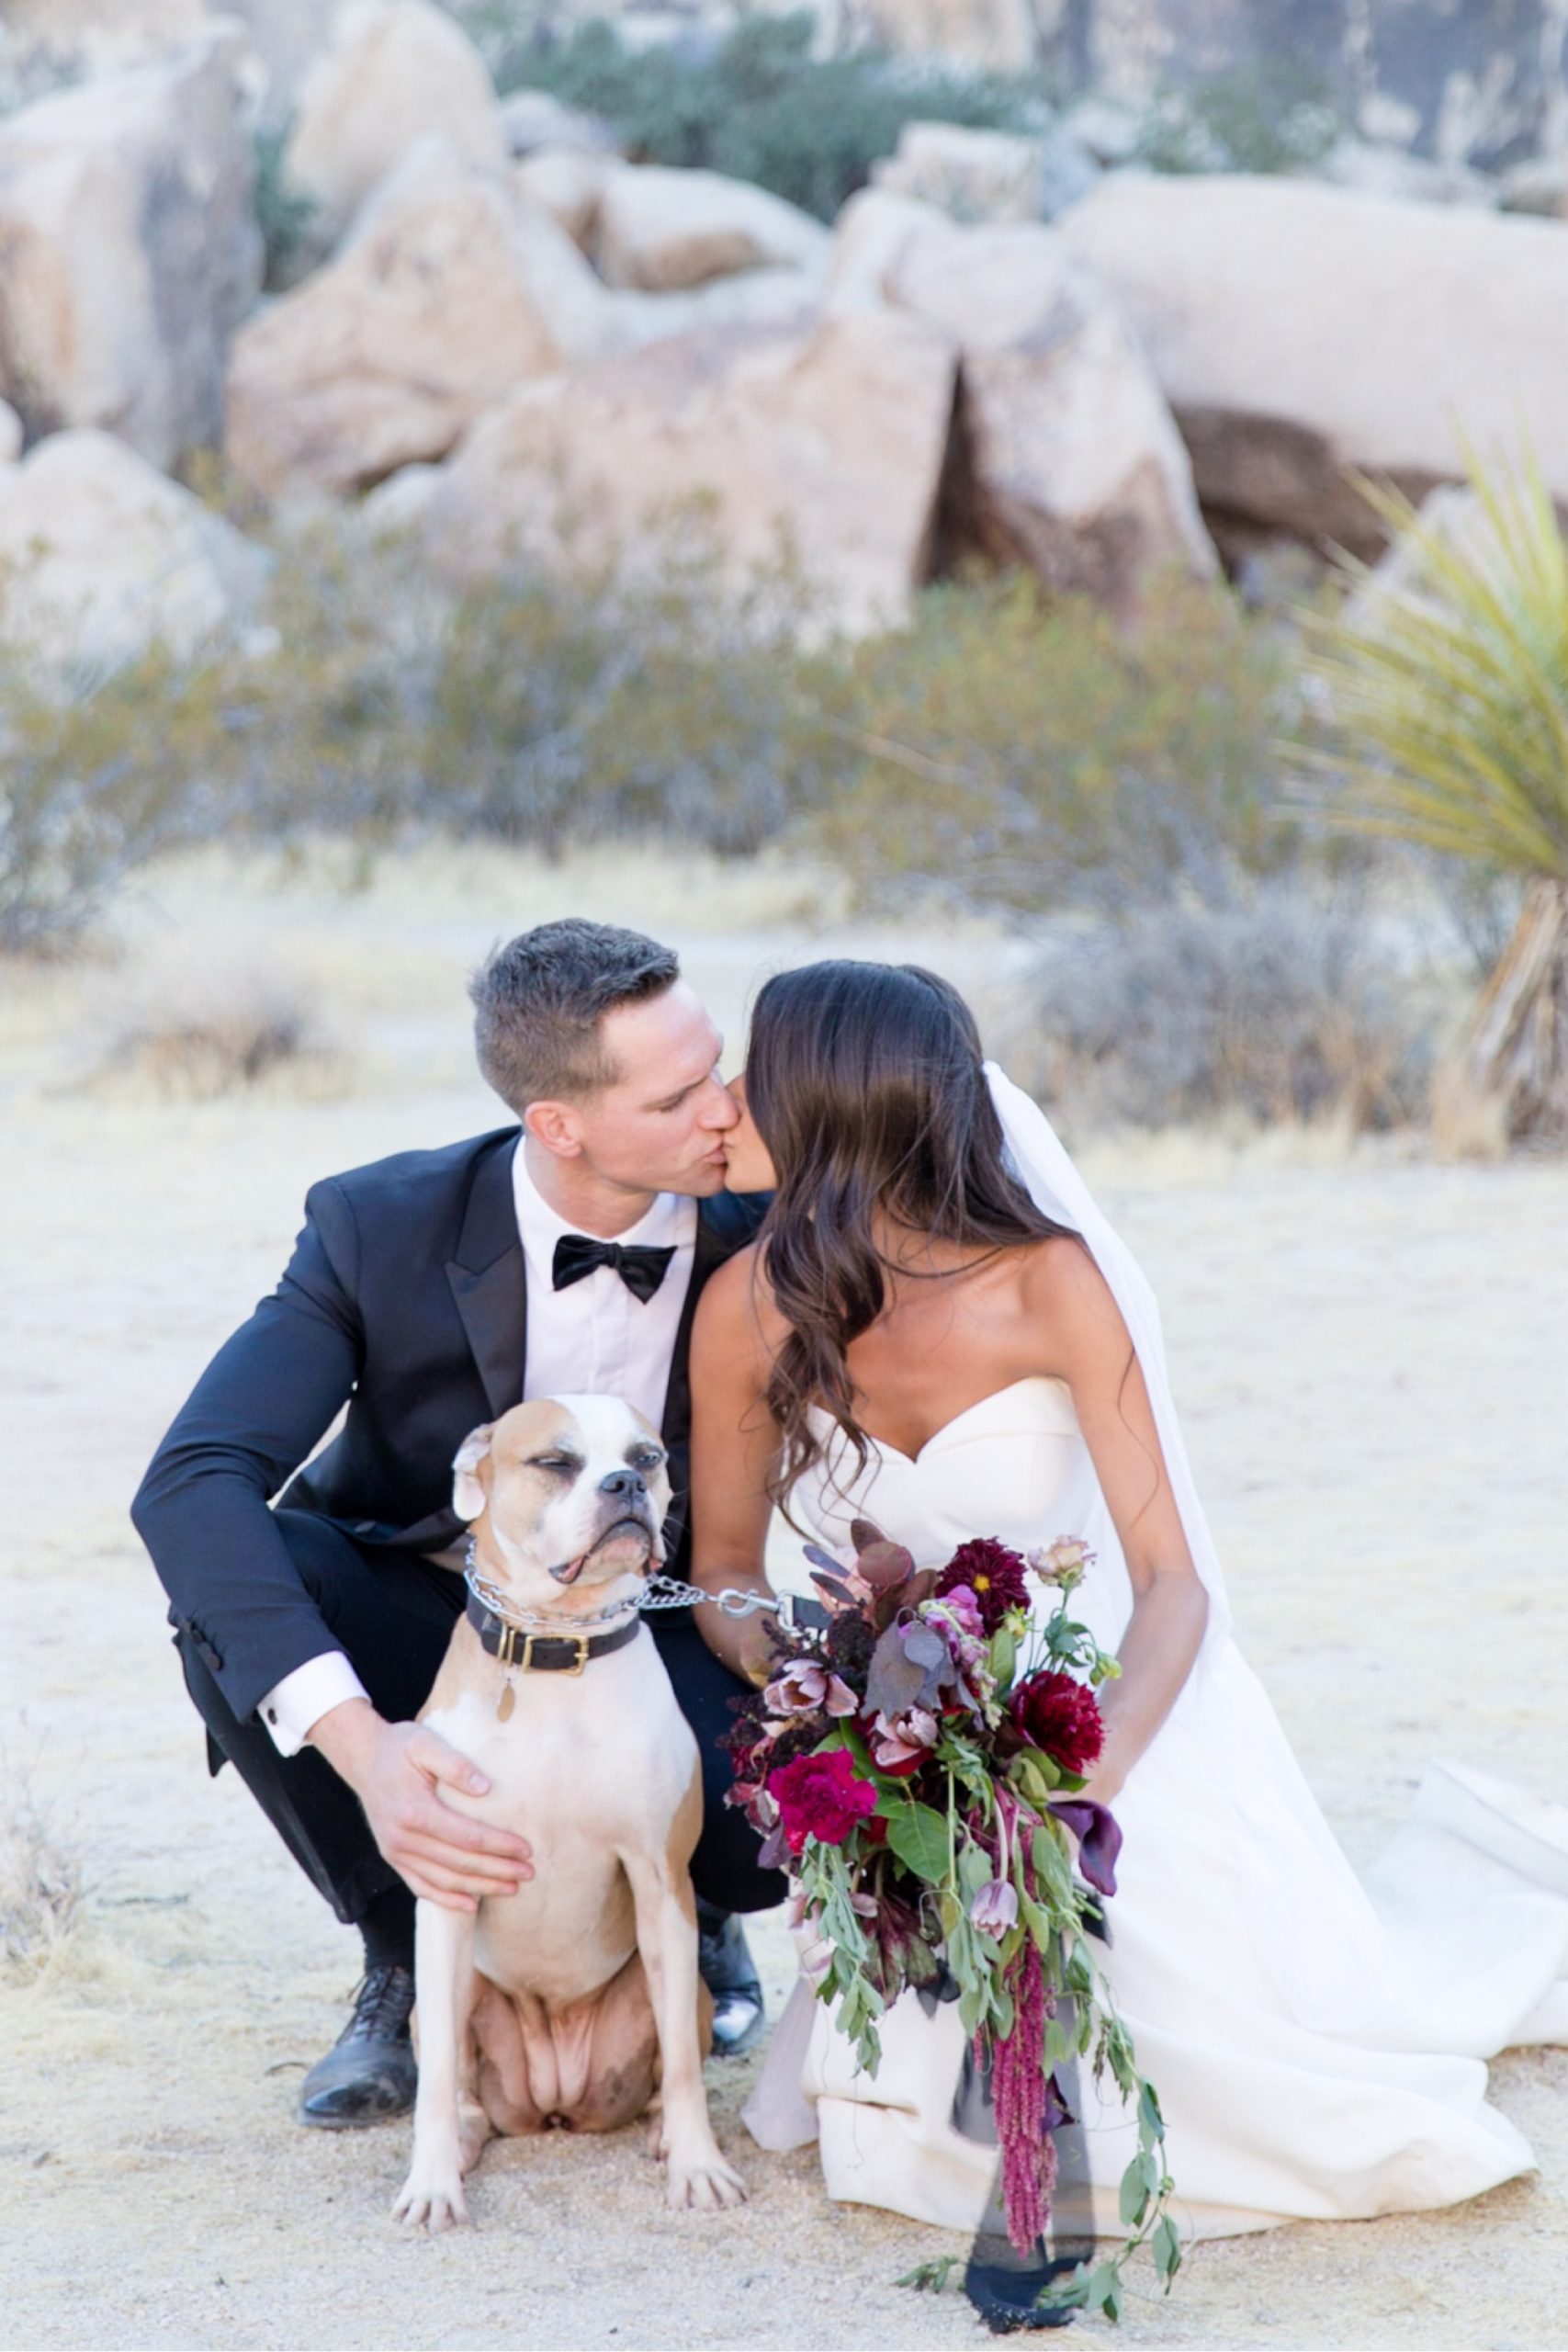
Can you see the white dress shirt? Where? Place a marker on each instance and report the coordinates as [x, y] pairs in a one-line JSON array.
[[594, 1340]]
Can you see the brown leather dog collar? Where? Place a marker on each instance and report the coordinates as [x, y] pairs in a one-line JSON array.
[[545, 1653]]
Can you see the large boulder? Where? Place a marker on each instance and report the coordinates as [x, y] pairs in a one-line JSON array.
[[1067, 458], [1299, 332], [451, 290], [397, 72], [751, 297], [536, 122], [128, 251], [664, 231], [567, 183], [833, 440], [101, 557]]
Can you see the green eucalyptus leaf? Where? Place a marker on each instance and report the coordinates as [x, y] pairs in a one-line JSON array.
[[1165, 2247], [1135, 2196], [919, 1836], [975, 1868]]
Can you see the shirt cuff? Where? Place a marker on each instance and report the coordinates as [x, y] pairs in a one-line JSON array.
[[292, 1708]]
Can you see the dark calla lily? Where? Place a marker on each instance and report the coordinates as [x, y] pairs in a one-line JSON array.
[[1099, 1837]]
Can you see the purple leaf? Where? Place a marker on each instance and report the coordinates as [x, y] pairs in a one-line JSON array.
[[894, 1681], [924, 1647], [1099, 1838], [833, 1585], [773, 1854]]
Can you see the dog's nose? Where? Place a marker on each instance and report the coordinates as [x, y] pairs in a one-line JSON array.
[[629, 1484]]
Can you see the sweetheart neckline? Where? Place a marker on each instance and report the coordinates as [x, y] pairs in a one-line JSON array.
[[886, 1446]]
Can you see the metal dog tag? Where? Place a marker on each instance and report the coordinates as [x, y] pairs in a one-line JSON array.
[[507, 1701]]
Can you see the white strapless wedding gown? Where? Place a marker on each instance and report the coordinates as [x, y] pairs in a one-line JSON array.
[[1318, 2046]]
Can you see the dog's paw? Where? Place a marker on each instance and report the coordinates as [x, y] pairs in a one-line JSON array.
[[705, 2184], [432, 2202]]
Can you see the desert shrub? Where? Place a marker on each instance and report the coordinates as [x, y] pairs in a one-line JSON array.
[[645, 705], [1032, 757], [1271, 117], [540, 707], [197, 1018], [1281, 1006], [97, 774], [41, 1884], [758, 106]]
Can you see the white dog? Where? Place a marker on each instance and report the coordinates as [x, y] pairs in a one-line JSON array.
[[574, 2001]]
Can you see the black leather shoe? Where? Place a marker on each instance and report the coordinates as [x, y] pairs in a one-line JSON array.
[[727, 1968], [369, 2074]]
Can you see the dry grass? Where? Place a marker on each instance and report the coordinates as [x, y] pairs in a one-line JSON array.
[[40, 1886], [196, 1016]]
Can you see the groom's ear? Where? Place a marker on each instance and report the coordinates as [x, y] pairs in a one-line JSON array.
[[556, 1127], [469, 1497]]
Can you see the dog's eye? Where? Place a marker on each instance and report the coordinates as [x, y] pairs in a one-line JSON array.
[[562, 1462], [645, 1457]]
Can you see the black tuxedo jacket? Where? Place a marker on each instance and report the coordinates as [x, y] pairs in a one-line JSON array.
[[405, 1302]]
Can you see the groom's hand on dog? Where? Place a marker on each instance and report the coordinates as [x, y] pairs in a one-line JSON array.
[[398, 1771]]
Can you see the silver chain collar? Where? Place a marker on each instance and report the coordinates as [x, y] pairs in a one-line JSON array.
[[658, 1592]]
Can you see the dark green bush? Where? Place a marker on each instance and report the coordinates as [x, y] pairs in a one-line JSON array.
[[758, 106], [286, 218], [1261, 119]]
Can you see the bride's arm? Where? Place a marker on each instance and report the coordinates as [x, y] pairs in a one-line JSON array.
[[735, 1443], [1094, 1354]]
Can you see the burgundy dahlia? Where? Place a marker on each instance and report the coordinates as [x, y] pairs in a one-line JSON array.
[[820, 1796], [994, 1575], [1060, 1715]]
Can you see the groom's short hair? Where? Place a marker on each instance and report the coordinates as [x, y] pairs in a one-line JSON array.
[[538, 1002]]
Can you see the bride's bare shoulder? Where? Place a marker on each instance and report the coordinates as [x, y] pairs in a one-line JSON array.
[[738, 1322], [1065, 1293]]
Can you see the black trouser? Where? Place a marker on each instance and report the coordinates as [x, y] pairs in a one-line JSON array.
[[392, 1613]]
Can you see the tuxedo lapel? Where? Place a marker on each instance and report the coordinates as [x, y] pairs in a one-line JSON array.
[[485, 1276]]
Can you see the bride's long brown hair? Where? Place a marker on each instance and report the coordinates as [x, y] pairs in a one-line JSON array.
[[866, 1086]]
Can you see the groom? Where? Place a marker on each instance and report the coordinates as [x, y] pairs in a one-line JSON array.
[[429, 1293]]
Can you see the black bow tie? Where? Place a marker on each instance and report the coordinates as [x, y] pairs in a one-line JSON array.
[[642, 1270]]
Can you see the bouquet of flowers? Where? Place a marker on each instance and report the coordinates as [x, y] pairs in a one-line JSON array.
[[918, 1766]]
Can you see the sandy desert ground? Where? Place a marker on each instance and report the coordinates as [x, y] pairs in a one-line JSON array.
[[1372, 1354]]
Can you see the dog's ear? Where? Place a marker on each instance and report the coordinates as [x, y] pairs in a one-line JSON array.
[[469, 1497]]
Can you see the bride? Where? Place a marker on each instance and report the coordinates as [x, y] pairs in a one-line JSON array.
[[938, 1330]]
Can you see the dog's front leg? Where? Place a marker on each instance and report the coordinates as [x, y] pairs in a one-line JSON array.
[[696, 2171], [443, 1989]]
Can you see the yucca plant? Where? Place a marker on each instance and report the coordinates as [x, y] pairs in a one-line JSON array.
[[1445, 691]]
